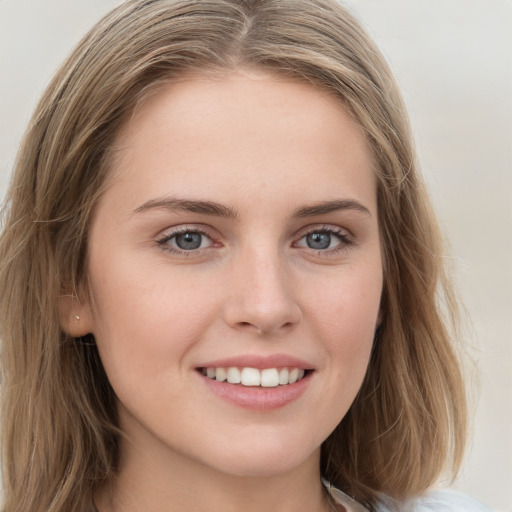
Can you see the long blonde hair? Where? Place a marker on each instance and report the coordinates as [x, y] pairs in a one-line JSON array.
[[59, 422]]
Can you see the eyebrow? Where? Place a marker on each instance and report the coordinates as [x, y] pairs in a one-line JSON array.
[[188, 205], [330, 206], [219, 210]]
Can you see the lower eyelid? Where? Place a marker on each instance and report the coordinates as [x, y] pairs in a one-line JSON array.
[[163, 240], [342, 235], [345, 240]]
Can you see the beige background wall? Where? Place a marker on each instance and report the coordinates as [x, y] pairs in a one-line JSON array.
[[453, 59]]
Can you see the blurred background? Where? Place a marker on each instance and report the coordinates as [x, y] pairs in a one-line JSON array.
[[453, 60]]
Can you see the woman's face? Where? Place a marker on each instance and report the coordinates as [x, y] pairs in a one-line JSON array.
[[238, 240]]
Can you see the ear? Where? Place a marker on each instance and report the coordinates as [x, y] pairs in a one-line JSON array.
[[75, 316]]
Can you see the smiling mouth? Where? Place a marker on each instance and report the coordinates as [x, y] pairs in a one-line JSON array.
[[254, 377]]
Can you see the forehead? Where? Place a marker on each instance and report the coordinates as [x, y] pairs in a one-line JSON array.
[[242, 127]]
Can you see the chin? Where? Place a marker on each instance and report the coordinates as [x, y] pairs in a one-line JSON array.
[[266, 458]]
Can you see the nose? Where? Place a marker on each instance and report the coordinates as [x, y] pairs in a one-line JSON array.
[[262, 296]]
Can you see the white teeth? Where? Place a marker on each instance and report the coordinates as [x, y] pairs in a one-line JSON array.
[[250, 377], [267, 378], [221, 374], [294, 375], [234, 376], [283, 376]]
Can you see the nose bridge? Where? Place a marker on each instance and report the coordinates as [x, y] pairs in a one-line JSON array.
[[262, 296]]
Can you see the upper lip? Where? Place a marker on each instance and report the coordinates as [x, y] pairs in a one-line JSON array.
[[259, 362]]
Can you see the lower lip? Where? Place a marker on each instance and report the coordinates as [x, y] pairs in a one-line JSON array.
[[257, 398]]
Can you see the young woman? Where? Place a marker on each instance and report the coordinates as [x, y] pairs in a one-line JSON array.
[[222, 282]]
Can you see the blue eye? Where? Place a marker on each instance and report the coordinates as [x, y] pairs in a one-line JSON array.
[[188, 241], [324, 239], [318, 241], [185, 240]]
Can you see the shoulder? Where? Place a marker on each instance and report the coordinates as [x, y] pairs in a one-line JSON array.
[[438, 501], [448, 500], [434, 501]]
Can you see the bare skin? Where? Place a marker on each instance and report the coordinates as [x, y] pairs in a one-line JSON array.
[[240, 225]]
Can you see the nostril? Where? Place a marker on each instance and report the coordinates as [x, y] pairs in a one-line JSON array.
[[249, 326], [263, 318]]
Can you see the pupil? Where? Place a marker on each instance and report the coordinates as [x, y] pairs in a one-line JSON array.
[[318, 240], [189, 241]]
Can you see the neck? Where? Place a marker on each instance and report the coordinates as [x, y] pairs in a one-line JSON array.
[[150, 483]]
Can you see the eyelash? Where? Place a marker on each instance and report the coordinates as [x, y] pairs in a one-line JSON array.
[[163, 241], [345, 240]]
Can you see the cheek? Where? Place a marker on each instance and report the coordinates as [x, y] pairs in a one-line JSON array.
[[349, 301], [346, 314], [147, 321]]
